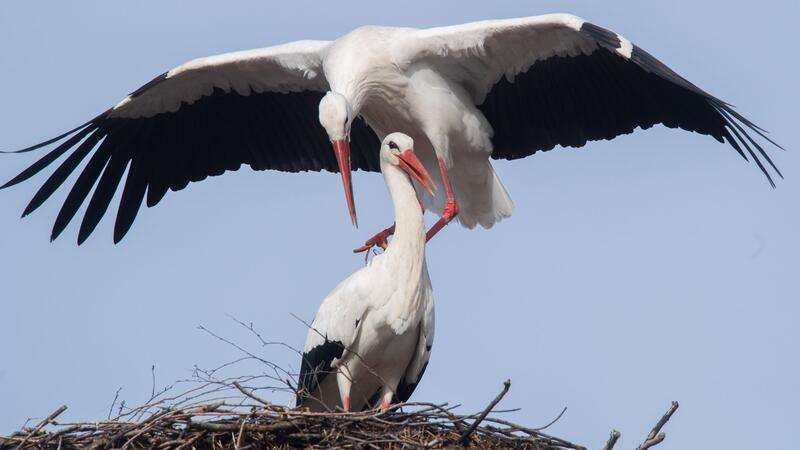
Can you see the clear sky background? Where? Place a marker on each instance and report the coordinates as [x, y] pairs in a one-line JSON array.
[[655, 267]]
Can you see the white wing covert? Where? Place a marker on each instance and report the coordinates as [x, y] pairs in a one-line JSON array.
[[256, 107], [559, 80]]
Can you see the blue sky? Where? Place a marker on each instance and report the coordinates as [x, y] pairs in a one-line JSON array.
[[655, 267]]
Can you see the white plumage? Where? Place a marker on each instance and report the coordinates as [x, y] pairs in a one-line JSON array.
[[371, 338], [503, 89]]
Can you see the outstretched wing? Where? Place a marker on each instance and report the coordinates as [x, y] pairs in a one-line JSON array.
[[559, 80], [256, 107]]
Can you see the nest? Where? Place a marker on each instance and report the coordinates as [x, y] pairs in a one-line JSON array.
[[216, 412], [222, 425], [426, 426]]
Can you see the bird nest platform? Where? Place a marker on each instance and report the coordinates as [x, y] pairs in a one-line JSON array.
[[219, 409], [254, 423]]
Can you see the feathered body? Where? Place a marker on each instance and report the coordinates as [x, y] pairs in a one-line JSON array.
[[373, 333], [390, 92]]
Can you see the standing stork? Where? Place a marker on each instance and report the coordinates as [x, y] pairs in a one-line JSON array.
[[503, 89], [373, 333]]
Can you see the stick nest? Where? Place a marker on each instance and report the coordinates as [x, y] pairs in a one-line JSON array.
[[214, 411], [221, 426]]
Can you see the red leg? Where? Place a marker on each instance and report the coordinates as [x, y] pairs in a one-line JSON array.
[[379, 239], [386, 401], [346, 405], [451, 207]]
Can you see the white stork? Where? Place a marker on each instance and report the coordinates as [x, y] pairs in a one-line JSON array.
[[373, 333], [503, 89]]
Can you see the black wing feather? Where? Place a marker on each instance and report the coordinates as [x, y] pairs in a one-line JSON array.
[[405, 389], [315, 366], [48, 158], [219, 132], [82, 186], [570, 100], [62, 172]]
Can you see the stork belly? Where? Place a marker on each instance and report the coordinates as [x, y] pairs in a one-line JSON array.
[[384, 358]]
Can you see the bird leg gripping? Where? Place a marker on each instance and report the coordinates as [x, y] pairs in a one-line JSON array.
[[451, 207], [379, 239]]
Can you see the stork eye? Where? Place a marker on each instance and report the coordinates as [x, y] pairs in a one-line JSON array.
[[393, 146]]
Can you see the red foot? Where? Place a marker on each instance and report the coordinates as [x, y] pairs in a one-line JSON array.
[[379, 239], [450, 212]]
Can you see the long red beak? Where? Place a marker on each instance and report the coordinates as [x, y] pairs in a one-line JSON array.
[[342, 151], [411, 164]]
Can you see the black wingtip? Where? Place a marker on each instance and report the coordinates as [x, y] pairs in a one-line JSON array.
[[119, 234], [27, 211], [94, 120]]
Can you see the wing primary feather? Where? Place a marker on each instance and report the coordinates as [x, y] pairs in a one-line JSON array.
[[103, 193], [753, 155], [722, 106], [132, 196], [732, 141], [158, 183], [753, 142], [47, 159], [135, 185], [82, 186], [58, 176], [61, 136]]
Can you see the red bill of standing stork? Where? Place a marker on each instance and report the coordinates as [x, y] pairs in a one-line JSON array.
[[371, 339], [501, 89]]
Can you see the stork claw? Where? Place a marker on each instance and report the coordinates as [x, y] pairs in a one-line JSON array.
[[380, 239]]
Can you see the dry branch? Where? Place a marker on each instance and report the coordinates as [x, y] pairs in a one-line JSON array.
[[655, 437], [41, 424], [612, 440], [464, 439]]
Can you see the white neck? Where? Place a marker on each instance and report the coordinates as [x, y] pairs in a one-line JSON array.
[[408, 243], [404, 259]]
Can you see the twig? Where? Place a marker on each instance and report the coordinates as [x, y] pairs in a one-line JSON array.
[[464, 439], [655, 437], [250, 394], [111, 408], [41, 424], [191, 441], [538, 434], [612, 440], [239, 437], [552, 421], [153, 388]]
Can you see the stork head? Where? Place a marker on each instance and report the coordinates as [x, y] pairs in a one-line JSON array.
[[398, 150], [336, 116]]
